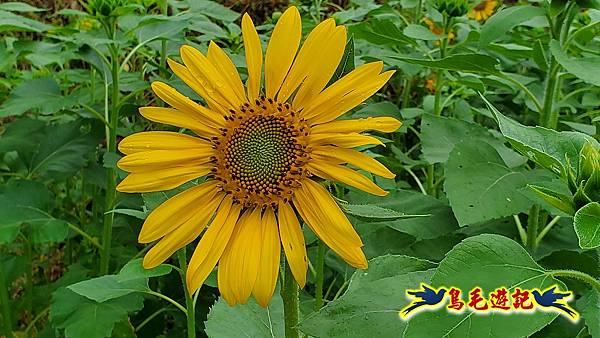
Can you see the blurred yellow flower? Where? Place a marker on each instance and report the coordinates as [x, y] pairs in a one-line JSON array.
[[259, 148], [483, 10], [438, 30]]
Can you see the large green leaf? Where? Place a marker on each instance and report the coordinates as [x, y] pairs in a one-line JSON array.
[[585, 68], [480, 186], [41, 94], [132, 278], [556, 151], [249, 320], [472, 63], [506, 19], [20, 7], [489, 262], [589, 305], [10, 22], [370, 307], [440, 134], [380, 32], [214, 10], [587, 225]]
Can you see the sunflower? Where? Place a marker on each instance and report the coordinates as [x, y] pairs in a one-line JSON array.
[[483, 10], [260, 150]]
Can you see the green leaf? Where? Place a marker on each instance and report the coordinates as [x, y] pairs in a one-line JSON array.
[[420, 33], [214, 10], [370, 307], [374, 212], [587, 225], [20, 7], [585, 68], [440, 222], [560, 201], [473, 63], [10, 22], [505, 20], [539, 55], [380, 32], [590, 311], [346, 63], [41, 94], [487, 261], [440, 134], [556, 151], [132, 278], [249, 320], [480, 186], [82, 317]]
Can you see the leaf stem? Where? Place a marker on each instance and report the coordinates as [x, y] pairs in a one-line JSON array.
[[532, 226], [547, 229], [189, 302], [522, 233], [6, 310], [320, 275], [289, 293], [584, 277]]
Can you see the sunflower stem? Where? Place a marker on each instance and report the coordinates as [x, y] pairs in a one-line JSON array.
[[289, 293], [4, 299], [584, 277], [532, 226], [111, 147], [189, 302], [320, 275]]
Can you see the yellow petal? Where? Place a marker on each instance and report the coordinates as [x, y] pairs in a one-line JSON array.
[[345, 175], [186, 76], [177, 118], [244, 255], [212, 244], [209, 77], [348, 83], [254, 57], [158, 159], [316, 62], [227, 69], [161, 140], [351, 100], [281, 49], [184, 104], [353, 157], [269, 260], [383, 124], [163, 179], [227, 277], [327, 221], [349, 140], [183, 235], [292, 240]]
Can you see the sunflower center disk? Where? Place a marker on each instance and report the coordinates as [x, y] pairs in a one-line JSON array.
[[261, 153]]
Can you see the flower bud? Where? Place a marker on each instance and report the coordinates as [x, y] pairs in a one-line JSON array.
[[454, 8]]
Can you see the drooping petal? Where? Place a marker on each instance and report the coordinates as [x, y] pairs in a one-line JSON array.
[[177, 118], [209, 77], [161, 140], [353, 157], [227, 69], [281, 49], [180, 102], [350, 140], [176, 210], [269, 260], [327, 221], [348, 83], [183, 235], [351, 100], [163, 179], [242, 261], [292, 240], [383, 124], [345, 175], [186, 76], [159, 159], [326, 44], [254, 57], [212, 244]]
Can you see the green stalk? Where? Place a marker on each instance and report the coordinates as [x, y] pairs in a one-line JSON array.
[[406, 92], [29, 279], [111, 147], [189, 302], [532, 226], [320, 274], [4, 300], [418, 11], [549, 116], [584, 277], [289, 293]]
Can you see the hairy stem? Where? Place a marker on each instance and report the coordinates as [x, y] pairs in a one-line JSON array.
[[584, 277], [189, 302], [319, 271], [289, 293]]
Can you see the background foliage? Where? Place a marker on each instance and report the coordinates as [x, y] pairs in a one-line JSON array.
[[488, 189]]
